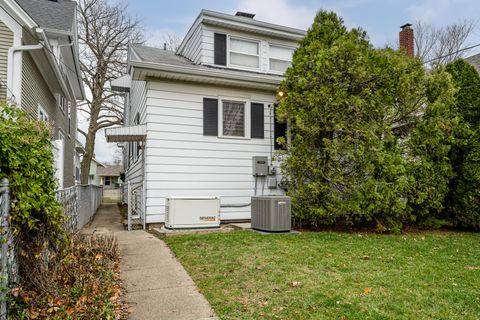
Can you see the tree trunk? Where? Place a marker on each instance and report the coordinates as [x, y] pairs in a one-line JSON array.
[[89, 147]]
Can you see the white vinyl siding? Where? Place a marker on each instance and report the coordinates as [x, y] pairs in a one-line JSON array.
[[206, 49], [135, 166], [181, 161], [6, 41]]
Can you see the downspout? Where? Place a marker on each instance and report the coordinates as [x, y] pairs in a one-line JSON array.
[[11, 56]]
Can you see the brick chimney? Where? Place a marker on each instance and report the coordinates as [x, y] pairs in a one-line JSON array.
[[406, 40]]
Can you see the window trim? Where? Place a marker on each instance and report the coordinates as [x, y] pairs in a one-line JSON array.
[[259, 55], [246, 119], [46, 116], [270, 44]]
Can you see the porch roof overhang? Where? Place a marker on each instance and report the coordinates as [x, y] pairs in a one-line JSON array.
[[127, 134]]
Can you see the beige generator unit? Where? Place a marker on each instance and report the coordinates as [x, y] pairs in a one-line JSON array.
[[271, 213], [192, 212]]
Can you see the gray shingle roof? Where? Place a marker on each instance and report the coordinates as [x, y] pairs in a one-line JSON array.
[[158, 55], [110, 171], [474, 61], [58, 15]]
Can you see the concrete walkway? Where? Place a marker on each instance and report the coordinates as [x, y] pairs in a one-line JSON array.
[[157, 286]]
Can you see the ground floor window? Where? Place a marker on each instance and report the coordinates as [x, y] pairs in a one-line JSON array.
[[108, 181], [233, 116]]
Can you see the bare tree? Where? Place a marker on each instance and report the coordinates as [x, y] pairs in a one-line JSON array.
[[441, 45], [105, 32], [172, 41]]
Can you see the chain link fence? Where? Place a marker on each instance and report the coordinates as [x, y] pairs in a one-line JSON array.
[[80, 203]]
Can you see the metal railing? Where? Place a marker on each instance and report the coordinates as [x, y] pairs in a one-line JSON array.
[[136, 205]]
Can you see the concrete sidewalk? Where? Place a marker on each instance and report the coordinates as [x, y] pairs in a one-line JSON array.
[[157, 286]]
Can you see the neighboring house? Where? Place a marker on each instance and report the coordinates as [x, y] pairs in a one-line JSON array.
[[39, 71], [195, 118], [474, 61], [110, 176], [93, 177]]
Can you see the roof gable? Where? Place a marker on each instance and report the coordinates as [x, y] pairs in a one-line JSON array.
[[56, 15]]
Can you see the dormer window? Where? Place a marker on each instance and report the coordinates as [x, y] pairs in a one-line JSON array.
[[244, 53], [280, 58]]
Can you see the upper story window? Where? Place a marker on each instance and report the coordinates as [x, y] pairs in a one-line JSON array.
[[280, 58], [63, 103], [42, 114], [244, 53]]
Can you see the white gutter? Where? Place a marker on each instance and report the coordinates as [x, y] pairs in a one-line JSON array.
[[226, 76], [11, 55], [54, 64]]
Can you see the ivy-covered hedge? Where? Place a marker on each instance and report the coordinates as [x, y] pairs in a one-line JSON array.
[[372, 134], [26, 159]]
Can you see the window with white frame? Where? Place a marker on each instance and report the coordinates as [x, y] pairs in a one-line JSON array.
[[63, 103], [233, 119], [42, 114], [244, 53], [61, 136], [280, 58], [69, 120]]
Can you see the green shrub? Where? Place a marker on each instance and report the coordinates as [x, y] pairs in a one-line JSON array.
[[464, 198], [26, 159]]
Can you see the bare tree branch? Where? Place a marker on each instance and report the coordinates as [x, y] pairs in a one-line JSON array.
[[105, 32], [442, 44]]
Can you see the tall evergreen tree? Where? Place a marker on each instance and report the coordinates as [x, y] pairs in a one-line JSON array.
[[349, 107], [464, 198]]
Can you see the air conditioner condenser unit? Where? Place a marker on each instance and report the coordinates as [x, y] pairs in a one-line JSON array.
[[271, 213], [192, 212]]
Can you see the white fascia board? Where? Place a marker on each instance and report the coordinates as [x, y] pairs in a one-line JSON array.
[[19, 12], [225, 76]]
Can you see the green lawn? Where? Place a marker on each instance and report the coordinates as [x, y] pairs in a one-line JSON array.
[[245, 275]]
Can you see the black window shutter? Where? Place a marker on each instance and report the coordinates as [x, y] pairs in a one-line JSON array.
[[280, 130], [210, 117], [257, 120], [220, 49]]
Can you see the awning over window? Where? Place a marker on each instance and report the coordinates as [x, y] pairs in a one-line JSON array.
[[126, 134]]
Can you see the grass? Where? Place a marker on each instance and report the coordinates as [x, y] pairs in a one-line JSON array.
[[245, 275]]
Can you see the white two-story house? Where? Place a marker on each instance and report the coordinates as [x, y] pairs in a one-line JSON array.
[[195, 118]]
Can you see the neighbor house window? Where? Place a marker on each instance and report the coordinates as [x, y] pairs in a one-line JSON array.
[[280, 58], [244, 53], [107, 181], [69, 120], [233, 119], [63, 103], [42, 114]]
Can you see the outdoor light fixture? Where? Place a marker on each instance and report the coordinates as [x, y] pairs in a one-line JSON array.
[[280, 94]]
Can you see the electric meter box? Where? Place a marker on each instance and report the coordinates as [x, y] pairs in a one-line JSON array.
[[260, 166]]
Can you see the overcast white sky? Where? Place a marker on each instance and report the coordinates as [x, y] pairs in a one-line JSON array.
[[381, 19]]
